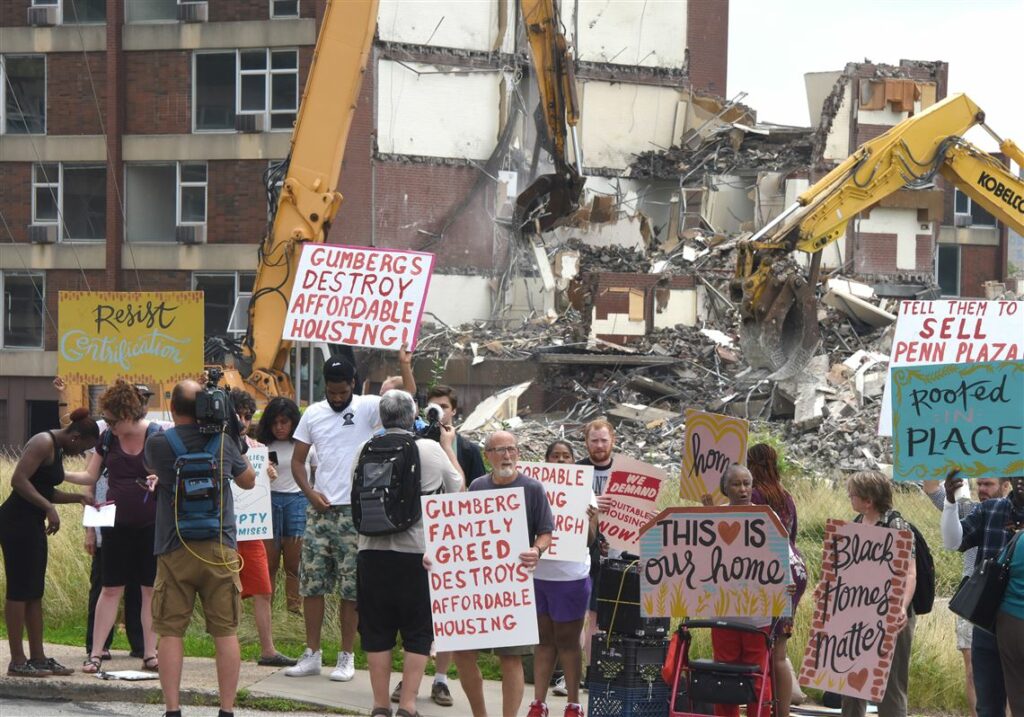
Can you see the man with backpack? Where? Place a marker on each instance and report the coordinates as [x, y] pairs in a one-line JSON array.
[[195, 544], [391, 472]]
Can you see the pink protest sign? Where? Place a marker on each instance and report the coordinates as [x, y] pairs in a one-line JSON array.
[[481, 596], [634, 488], [715, 562], [712, 443], [570, 489], [856, 604], [358, 296]]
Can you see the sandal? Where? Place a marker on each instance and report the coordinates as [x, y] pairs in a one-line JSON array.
[[150, 664], [106, 656], [91, 665], [406, 713], [380, 712]]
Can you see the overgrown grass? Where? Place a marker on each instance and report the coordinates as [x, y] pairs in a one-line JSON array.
[[936, 682]]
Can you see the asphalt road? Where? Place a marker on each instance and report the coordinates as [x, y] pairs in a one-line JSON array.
[[44, 708]]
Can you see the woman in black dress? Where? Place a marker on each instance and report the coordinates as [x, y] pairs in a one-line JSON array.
[[27, 516]]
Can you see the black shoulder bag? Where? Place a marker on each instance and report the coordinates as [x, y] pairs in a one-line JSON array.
[[979, 596]]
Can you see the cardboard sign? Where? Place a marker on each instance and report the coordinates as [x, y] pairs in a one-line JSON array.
[[140, 336], [705, 563], [481, 596], [634, 488], [966, 416], [569, 489], [863, 576], [253, 517], [358, 296], [713, 442], [953, 331]]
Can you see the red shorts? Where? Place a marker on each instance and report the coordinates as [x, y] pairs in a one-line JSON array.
[[255, 575]]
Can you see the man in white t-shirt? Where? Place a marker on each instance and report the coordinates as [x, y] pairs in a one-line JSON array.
[[337, 427]]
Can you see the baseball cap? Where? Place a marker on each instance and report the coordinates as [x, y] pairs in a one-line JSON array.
[[337, 368]]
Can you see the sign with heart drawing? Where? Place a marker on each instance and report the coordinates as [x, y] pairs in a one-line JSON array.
[[857, 608], [708, 562], [712, 443]]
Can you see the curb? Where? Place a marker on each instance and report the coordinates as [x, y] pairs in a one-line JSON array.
[[56, 688]]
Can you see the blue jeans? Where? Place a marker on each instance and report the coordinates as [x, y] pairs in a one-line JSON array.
[[289, 514], [988, 675]]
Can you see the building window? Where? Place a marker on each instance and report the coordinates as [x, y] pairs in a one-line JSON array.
[[971, 212], [947, 270], [24, 294], [161, 197], [247, 82], [23, 91], [73, 196], [82, 12], [150, 10], [221, 292], [284, 8]]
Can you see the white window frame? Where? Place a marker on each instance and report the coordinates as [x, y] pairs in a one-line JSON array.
[[268, 72], [54, 186], [275, 16], [62, 227], [970, 209], [36, 276], [4, 87], [238, 293], [163, 21], [206, 194]]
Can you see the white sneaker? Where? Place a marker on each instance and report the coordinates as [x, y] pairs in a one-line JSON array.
[[309, 664], [559, 688], [346, 668]]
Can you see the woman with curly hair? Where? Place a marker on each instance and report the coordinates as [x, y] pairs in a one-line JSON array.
[[288, 503], [127, 554], [762, 461], [27, 516]]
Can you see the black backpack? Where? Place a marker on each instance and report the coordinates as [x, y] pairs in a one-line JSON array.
[[924, 593], [386, 485]]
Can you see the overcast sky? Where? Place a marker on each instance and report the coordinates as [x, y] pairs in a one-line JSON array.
[[772, 43]]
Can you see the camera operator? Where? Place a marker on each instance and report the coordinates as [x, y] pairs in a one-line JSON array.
[[470, 459], [208, 568]]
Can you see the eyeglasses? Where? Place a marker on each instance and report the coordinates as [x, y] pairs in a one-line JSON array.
[[503, 449]]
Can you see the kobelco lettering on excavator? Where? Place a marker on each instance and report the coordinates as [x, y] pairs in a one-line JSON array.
[[1001, 191]]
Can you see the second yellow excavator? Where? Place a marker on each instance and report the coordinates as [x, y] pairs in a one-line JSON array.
[[777, 297]]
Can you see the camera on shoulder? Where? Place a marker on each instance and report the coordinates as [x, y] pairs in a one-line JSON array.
[[215, 412]]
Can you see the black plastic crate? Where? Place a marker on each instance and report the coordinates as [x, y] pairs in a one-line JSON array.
[[608, 700], [618, 601], [627, 661]]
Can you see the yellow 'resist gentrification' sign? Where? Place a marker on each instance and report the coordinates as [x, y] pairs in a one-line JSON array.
[[140, 336]]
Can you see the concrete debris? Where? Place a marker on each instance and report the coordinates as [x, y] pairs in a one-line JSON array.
[[731, 149]]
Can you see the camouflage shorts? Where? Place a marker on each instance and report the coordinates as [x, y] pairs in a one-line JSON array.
[[329, 549]]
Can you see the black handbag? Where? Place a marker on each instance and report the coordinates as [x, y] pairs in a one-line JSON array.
[[979, 596]]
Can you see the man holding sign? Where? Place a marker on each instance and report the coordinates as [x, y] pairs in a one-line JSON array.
[[502, 451]]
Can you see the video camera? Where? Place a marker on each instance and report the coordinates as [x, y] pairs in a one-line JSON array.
[[432, 430], [214, 411]]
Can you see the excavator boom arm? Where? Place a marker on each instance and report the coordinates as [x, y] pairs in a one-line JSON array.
[[309, 196]]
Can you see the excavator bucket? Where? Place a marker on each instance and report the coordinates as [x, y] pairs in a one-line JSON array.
[[549, 201], [781, 332]]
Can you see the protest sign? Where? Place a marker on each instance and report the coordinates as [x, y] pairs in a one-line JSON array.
[[712, 443], [140, 336], [966, 416], [481, 596], [569, 489], [634, 488], [708, 562], [856, 604], [952, 331], [253, 518], [359, 296]]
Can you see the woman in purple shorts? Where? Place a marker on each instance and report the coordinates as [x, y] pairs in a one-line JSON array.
[[563, 593]]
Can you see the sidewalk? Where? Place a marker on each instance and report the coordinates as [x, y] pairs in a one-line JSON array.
[[199, 679]]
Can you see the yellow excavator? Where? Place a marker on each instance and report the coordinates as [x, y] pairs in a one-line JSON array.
[[550, 199], [777, 297]]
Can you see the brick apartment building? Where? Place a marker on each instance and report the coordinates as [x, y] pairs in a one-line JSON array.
[[134, 135]]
